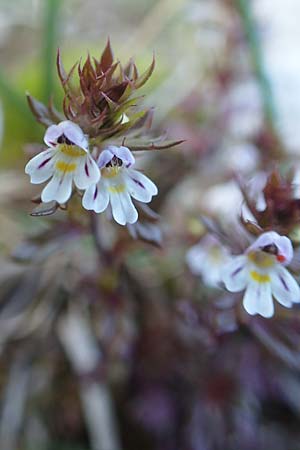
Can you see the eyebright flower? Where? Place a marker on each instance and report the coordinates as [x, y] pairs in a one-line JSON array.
[[118, 183], [207, 258], [66, 160], [261, 272]]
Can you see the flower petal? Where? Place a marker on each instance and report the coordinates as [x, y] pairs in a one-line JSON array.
[[123, 210], [212, 277], [51, 135], [285, 249], [258, 299], [87, 172], [140, 187], [104, 158], [234, 274], [284, 287], [71, 130], [96, 198], [58, 189], [195, 258], [41, 167], [282, 243], [75, 134], [124, 154], [130, 211]]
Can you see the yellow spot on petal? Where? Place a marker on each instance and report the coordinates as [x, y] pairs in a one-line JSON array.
[[118, 189], [62, 166], [110, 172], [215, 254], [259, 278], [71, 150], [262, 259]]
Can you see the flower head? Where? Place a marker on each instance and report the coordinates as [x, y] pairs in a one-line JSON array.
[[118, 183], [67, 160], [261, 273], [207, 258]]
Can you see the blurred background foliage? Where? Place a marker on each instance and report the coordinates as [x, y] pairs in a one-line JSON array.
[[188, 370]]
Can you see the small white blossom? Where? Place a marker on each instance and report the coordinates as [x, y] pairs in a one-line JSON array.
[[261, 273], [118, 183], [67, 160], [207, 258]]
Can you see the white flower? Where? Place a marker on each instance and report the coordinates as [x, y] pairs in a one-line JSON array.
[[207, 258], [66, 160], [261, 272], [118, 183]]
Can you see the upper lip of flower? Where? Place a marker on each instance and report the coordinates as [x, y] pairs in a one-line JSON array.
[[66, 133], [118, 155], [274, 244]]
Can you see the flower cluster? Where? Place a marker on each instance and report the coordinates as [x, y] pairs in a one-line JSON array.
[[86, 143], [109, 180], [260, 271]]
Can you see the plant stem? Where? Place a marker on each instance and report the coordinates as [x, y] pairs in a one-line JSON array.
[[250, 28], [103, 254], [51, 22], [84, 355]]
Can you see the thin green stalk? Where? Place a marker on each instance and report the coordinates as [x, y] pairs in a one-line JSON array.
[[246, 13], [50, 31], [12, 97]]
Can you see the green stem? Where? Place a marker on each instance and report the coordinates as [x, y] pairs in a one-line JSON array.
[[11, 96], [244, 7], [51, 22]]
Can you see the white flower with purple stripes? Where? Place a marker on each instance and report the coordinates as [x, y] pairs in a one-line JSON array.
[[207, 258], [67, 160], [261, 273], [118, 183]]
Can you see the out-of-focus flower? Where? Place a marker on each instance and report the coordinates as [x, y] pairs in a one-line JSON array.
[[207, 258], [244, 109], [261, 272], [66, 160], [118, 183]]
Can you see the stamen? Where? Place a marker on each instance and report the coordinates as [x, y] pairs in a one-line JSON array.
[[114, 162], [64, 140], [270, 248]]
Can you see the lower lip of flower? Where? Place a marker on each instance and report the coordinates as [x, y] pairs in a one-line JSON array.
[[215, 254], [110, 172], [261, 259], [259, 278], [71, 150], [62, 166]]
